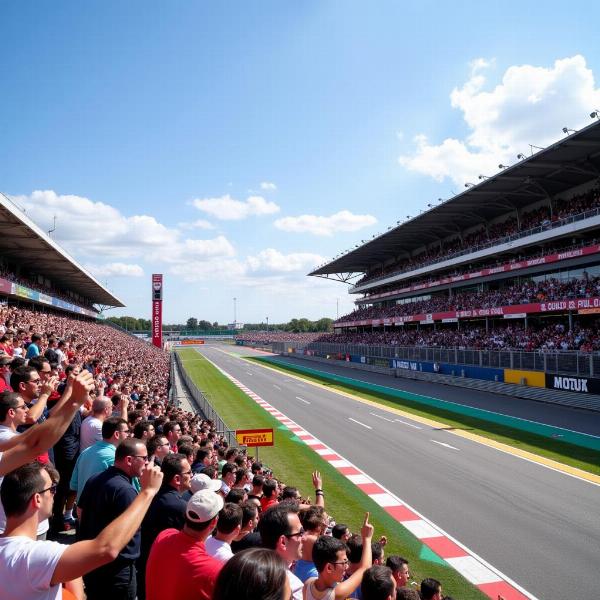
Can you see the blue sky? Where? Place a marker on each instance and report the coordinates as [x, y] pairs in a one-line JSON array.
[[148, 128]]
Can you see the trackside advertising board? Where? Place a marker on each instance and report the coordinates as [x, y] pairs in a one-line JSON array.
[[255, 437], [583, 385]]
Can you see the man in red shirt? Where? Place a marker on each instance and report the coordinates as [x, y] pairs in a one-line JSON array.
[[5, 360], [179, 568]]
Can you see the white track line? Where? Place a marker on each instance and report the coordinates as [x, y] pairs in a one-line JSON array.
[[367, 426], [409, 424], [302, 400], [444, 444]]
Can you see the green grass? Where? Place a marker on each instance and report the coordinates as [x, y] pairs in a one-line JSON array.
[[293, 462], [569, 454]]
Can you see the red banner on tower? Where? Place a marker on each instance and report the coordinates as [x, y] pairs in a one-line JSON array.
[[157, 284]]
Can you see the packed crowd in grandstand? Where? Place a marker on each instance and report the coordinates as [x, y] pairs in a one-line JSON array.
[[525, 254], [162, 507], [522, 293], [493, 234], [33, 284], [509, 337], [270, 337]]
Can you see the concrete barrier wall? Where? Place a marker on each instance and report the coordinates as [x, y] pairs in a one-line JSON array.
[[531, 378]]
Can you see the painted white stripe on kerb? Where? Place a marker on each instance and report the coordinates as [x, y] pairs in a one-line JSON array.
[[421, 529], [385, 499], [359, 478], [473, 570], [338, 463], [312, 441], [324, 451]]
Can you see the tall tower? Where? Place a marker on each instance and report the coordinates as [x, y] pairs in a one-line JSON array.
[[157, 284]]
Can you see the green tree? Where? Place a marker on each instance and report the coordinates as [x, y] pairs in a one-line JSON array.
[[192, 323]]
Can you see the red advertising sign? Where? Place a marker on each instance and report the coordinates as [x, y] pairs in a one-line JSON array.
[[157, 284], [582, 305]]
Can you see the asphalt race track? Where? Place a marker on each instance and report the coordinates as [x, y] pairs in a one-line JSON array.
[[538, 526]]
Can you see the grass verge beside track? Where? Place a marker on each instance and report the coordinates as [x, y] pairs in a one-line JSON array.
[[568, 454], [293, 462]]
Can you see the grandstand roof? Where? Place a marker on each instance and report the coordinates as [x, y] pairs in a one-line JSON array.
[[568, 163], [22, 241]]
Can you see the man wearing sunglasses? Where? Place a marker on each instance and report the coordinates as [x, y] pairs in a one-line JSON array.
[[13, 414], [35, 570], [105, 497]]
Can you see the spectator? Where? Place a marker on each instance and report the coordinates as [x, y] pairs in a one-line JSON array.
[[228, 529], [144, 430], [5, 373], [341, 532], [202, 459], [407, 593], [192, 573], [228, 472], [431, 589], [399, 567], [313, 519], [248, 537], [269, 497], [105, 496], [172, 431], [329, 556], [167, 510], [280, 530], [378, 584], [22, 449], [254, 574], [91, 428], [158, 447], [13, 414], [35, 347], [100, 456], [35, 570]]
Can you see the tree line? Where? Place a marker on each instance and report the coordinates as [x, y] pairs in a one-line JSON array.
[[295, 325]]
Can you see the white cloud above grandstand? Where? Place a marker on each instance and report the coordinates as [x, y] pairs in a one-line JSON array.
[[226, 208], [271, 260], [197, 224], [342, 221], [530, 105], [89, 228], [116, 269]]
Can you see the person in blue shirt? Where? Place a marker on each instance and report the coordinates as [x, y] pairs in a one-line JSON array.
[[35, 347], [99, 456]]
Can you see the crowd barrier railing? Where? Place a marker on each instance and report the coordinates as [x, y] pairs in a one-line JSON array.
[[202, 401], [560, 362]]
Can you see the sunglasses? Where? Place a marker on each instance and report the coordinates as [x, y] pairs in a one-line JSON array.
[[52, 489]]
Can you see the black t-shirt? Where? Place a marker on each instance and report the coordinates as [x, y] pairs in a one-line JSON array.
[[252, 540], [105, 497]]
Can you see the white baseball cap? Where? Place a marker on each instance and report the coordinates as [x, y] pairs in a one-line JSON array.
[[203, 506], [201, 482]]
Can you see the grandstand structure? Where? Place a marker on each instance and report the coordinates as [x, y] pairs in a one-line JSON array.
[[510, 264], [36, 272]]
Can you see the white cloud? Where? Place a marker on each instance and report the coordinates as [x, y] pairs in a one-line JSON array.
[[89, 228], [530, 106], [227, 208], [116, 269], [271, 260], [198, 224], [268, 185], [325, 226]]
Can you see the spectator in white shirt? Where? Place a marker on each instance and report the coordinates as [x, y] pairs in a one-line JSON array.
[[91, 428], [229, 526]]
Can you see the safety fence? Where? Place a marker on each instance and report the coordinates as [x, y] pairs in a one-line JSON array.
[[583, 364], [202, 400]]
